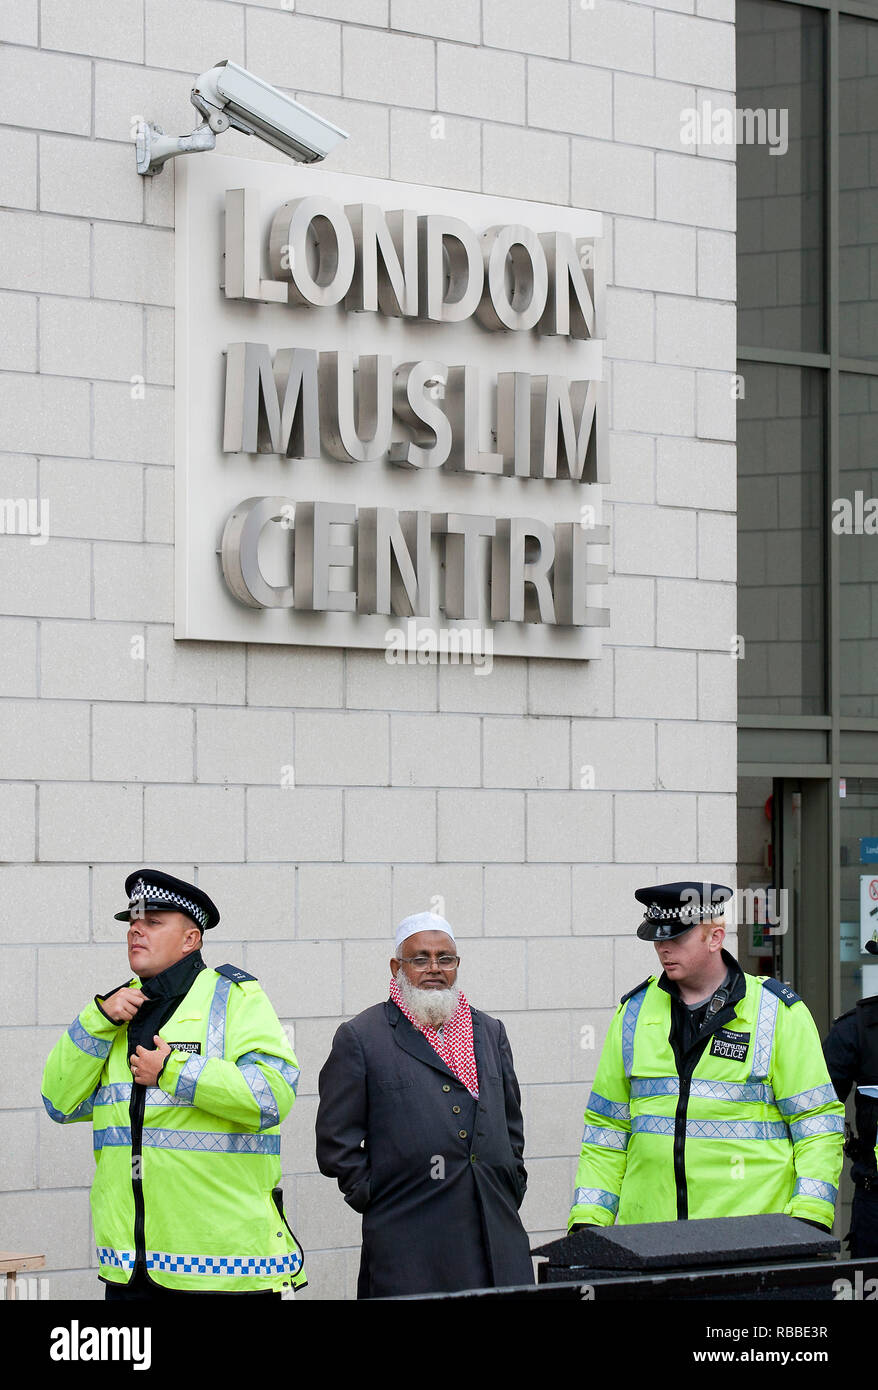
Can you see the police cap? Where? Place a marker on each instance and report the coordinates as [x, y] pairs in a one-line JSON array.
[[674, 908], [151, 888]]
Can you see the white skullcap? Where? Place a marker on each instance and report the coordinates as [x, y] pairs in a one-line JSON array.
[[421, 921]]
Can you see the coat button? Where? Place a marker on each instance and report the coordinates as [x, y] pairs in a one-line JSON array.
[[461, 1134], [446, 1087], [455, 1109], [472, 1158]]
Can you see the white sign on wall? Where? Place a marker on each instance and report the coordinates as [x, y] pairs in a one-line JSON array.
[[390, 412], [868, 909]]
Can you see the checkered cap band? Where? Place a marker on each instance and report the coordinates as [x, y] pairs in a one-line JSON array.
[[154, 893], [687, 912]]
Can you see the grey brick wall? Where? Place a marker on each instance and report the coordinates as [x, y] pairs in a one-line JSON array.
[[120, 746]]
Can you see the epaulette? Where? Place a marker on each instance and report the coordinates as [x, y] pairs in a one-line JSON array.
[[234, 973], [636, 990], [782, 991]]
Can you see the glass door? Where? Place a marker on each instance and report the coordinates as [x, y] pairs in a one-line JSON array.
[[858, 814], [783, 886]]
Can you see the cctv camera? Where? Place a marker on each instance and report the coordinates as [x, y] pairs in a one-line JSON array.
[[228, 95]]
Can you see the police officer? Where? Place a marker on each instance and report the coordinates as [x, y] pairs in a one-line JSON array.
[[851, 1052], [185, 1074], [711, 1096]]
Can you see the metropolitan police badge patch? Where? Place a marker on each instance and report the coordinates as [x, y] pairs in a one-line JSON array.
[[727, 1043], [193, 1047]]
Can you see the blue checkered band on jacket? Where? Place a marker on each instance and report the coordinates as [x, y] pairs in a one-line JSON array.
[[596, 1197], [154, 892], [711, 1129], [629, 1023], [260, 1266], [807, 1100], [95, 1047], [605, 1138], [768, 1007], [814, 1187], [115, 1136], [649, 1086], [82, 1111], [816, 1124], [613, 1109]]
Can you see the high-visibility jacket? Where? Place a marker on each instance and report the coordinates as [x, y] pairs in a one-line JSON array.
[[187, 1171], [754, 1126]]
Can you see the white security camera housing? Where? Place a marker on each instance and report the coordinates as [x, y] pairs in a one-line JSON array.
[[228, 95]]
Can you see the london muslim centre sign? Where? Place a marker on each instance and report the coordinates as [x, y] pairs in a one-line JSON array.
[[390, 413]]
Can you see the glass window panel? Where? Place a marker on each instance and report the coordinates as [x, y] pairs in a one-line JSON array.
[[859, 825], [858, 187], [780, 246], [781, 531], [856, 523], [756, 946]]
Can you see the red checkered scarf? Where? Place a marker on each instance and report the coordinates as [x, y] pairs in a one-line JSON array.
[[455, 1047]]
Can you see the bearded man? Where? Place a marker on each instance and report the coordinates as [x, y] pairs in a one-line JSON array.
[[420, 1122]]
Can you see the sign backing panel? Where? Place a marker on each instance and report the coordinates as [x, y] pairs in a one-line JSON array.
[[210, 484]]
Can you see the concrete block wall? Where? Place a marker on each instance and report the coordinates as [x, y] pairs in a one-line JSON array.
[[531, 801]]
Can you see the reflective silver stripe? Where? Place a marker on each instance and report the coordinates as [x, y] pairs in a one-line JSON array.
[[82, 1111], [816, 1124], [605, 1138], [216, 1023], [748, 1091], [815, 1187], [118, 1135], [289, 1073], [156, 1096], [629, 1023], [768, 1006], [648, 1086], [736, 1129], [256, 1265], [119, 1092], [711, 1129], [211, 1143], [95, 1047], [184, 1091], [113, 1136], [613, 1109], [262, 1093], [595, 1197], [807, 1100]]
